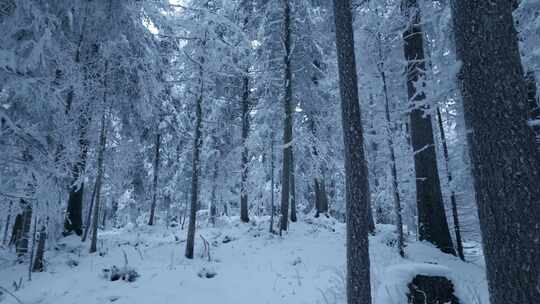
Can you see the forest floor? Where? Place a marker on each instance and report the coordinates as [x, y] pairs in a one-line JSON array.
[[247, 265]]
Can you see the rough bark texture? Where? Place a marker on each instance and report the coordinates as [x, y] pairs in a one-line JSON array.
[[356, 173], [534, 108], [244, 217], [504, 155], [287, 124], [155, 182], [432, 223]]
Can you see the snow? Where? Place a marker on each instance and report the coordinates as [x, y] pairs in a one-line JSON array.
[[305, 265]]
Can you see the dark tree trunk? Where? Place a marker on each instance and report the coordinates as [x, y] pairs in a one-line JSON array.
[[534, 108], [432, 223], [197, 146], [272, 185], [39, 265], [293, 192], [453, 202], [73, 221], [16, 230], [88, 224], [244, 217], [8, 221], [356, 173], [155, 183], [504, 154], [99, 181], [288, 123], [23, 238]]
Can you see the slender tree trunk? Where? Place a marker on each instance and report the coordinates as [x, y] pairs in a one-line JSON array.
[[155, 183], [99, 180], [32, 250], [453, 201], [293, 191], [288, 123], [100, 169], [356, 173], [534, 108], [504, 155], [433, 226], [393, 168], [88, 224], [197, 146], [244, 217], [39, 265], [23, 238], [8, 221], [16, 230], [272, 185]]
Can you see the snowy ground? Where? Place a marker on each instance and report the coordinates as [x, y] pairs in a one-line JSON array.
[[304, 266]]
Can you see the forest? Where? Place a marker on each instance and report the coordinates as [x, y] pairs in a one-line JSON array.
[[269, 151]]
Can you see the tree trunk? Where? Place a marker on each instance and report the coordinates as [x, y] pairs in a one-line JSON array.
[[356, 173], [455, 214], [100, 169], [287, 124], [504, 154], [155, 183], [23, 238], [16, 230], [272, 186], [293, 192], [197, 146], [99, 180], [39, 265], [393, 168], [6, 226], [534, 108], [245, 152], [433, 226], [88, 225]]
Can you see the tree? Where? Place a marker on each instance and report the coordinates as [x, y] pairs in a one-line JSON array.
[[504, 154], [357, 185], [432, 223], [288, 121]]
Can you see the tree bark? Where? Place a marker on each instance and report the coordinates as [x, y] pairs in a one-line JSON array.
[[100, 169], [244, 217], [23, 238], [6, 226], [39, 265], [155, 183], [453, 201], [356, 173], [99, 180], [293, 191], [288, 123], [197, 146], [504, 154], [432, 223]]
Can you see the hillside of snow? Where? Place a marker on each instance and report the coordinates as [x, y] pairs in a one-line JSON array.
[[247, 264]]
